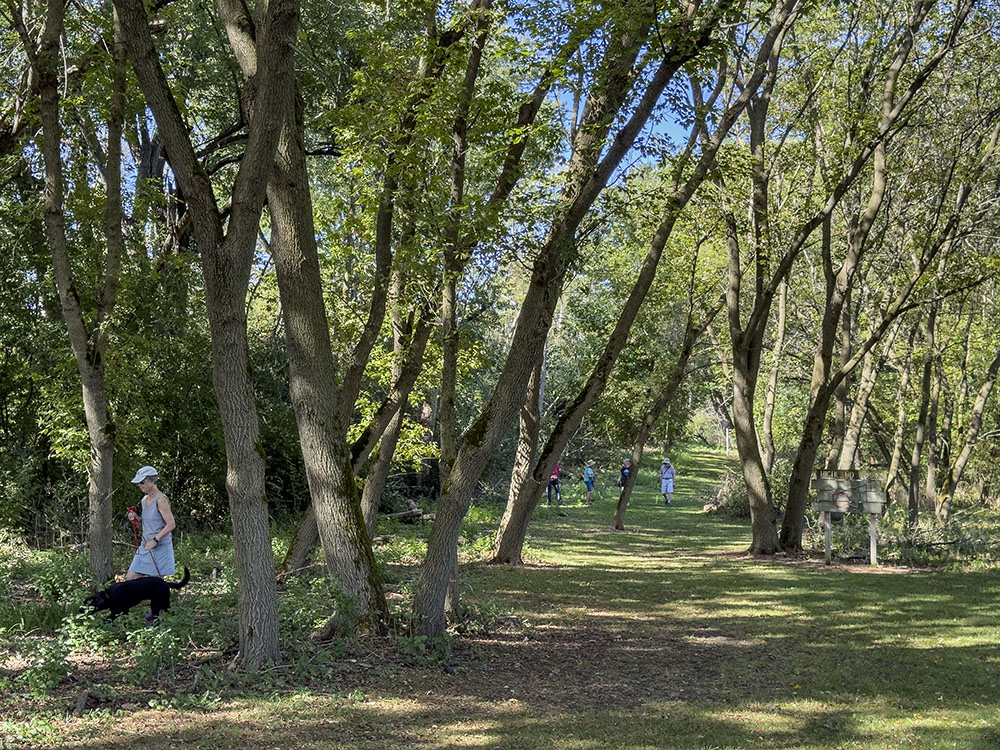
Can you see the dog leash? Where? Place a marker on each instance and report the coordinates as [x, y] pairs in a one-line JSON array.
[[135, 537]]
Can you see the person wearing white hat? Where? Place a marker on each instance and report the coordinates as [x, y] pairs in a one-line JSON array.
[[667, 475], [155, 554]]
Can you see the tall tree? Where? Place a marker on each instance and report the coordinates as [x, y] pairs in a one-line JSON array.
[[586, 175], [227, 255], [89, 341], [680, 191], [312, 374]]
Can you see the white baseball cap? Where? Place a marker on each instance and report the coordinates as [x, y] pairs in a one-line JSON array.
[[144, 473]]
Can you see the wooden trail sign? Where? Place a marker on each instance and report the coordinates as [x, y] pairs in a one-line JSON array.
[[849, 491]]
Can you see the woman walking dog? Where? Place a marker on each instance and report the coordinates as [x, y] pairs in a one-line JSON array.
[[155, 554]]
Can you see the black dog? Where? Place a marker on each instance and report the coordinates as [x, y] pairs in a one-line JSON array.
[[121, 597]]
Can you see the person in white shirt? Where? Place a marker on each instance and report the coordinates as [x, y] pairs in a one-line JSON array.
[[667, 475]]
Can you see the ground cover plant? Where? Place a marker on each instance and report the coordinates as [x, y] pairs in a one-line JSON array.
[[662, 636]]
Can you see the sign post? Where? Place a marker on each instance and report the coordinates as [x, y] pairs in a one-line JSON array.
[[848, 491]]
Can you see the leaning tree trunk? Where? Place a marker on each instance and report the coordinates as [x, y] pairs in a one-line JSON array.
[[477, 449], [507, 548], [972, 435], [337, 506]]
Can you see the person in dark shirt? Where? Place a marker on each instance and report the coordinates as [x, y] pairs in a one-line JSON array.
[[624, 472]]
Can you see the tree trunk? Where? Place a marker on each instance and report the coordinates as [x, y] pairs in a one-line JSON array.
[[915, 495], [852, 435], [88, 347], [303, 543], [762, 511], [931, 477], [842, 392], [802, 468], [307, 534], [859, 410], [378, 472], [972, 435], [337, 506], [772, 381], [902, 402], [226, 262], [447, 419], [507, 547]]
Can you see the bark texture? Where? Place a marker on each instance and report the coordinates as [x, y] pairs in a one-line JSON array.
[[226, 260], [89, 344]]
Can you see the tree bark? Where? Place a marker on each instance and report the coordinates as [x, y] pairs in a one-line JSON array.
[[89, 346], [507, 548], [337, 506], [226, 262], [772, 382], [957, 469]]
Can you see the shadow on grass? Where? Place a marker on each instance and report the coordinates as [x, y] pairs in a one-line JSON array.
[[664, 637], [424, 723]]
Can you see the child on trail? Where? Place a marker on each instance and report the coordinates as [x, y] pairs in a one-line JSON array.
[[553, 484], [667, 474], [624, 472], [588, 480]]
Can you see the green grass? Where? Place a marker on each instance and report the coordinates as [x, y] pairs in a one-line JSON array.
[[664, 636]]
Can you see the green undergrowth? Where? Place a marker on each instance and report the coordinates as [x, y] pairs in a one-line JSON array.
[[662, 636]]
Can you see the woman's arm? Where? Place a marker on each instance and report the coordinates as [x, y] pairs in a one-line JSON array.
[[163, 505]]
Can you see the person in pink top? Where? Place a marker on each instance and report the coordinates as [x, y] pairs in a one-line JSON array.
[[553, 484]]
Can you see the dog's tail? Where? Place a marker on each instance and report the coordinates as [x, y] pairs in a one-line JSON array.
[[181, 583]]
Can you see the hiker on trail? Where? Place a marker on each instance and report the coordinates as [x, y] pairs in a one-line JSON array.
[[588, 479], [155, 554], [623, 473], [667, 474], [553, 484]]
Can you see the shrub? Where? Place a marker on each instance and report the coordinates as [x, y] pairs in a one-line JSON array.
[[47, 666], [155, 649], [731, 499]]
